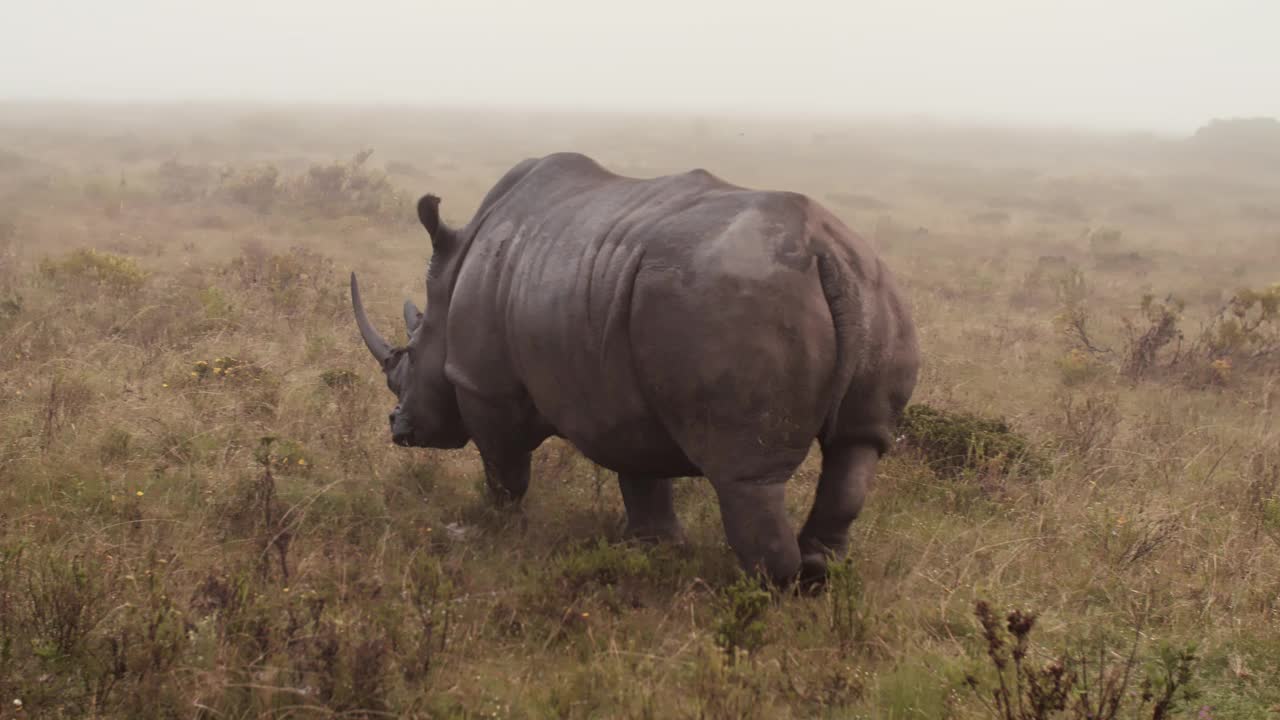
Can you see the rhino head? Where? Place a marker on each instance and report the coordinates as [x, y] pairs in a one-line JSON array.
[[426, 412]]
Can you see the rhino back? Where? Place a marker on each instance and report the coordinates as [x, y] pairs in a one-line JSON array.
[[661, 325]]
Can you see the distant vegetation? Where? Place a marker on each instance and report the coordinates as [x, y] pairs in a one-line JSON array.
[[326, 190], [1251, 140], [1257, 133]]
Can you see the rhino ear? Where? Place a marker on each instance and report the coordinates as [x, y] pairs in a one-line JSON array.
[[429, 216], [412, 317]]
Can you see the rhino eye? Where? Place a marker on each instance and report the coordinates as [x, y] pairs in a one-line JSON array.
[[393, 360]]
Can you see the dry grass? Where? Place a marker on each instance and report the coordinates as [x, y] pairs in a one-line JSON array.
[[201, 514]]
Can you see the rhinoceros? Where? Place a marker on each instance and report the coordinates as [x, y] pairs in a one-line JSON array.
[[669, 327]]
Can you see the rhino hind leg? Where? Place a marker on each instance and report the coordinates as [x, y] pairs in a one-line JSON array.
[[754, 515], [651, 513], [847, 471]]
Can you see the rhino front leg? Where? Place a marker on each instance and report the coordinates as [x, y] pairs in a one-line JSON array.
[[506, 476], [651, 513], [846, 477], [503, 435], [755, 523]]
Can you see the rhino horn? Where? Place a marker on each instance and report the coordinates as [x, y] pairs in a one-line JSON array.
[[412, 316], [380, 349]]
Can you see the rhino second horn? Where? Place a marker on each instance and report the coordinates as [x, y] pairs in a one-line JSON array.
[[412, 317], [379, 347]]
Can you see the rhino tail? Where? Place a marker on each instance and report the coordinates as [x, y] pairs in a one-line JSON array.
[[844, 307]]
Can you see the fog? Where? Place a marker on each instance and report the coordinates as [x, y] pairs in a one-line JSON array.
[[1163, 65]]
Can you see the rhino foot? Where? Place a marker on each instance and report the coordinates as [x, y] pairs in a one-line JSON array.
[[813, 573], [655, 533]]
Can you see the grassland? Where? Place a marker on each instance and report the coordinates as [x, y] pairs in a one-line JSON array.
[[201, 514]]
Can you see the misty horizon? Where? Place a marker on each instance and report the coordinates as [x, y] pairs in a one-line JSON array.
[[1169, 67]]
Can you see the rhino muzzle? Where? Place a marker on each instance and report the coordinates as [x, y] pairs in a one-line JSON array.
[[401, 430]]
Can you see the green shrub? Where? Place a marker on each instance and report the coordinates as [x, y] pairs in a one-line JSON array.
[[850, 617], [338, 378], [113, 273], [283, 455], [603, 564], [956, 443], [740, 620]]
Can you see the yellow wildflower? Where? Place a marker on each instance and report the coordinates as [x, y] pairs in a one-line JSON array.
[[302, 461], [140, 493]]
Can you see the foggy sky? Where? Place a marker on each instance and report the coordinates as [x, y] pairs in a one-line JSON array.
[[1165, 65]]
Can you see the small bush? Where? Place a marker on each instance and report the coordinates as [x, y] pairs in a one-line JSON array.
[[114, 273], [1110, 252], [1079, 367], [226, 369], [67, 399], [218, 307], [283, 455], [603, 564], [297, 282], [1088, 421], [181, 182], [1045, 279], [740, 623], [1248, 328], [114, 446], [257, 187], [1244, 335], [850, 617], [956, 444], [338, 378], [349, 188], [429, 593], [1080, 686], [1145, 343], [66, 599], [1072, 291]]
